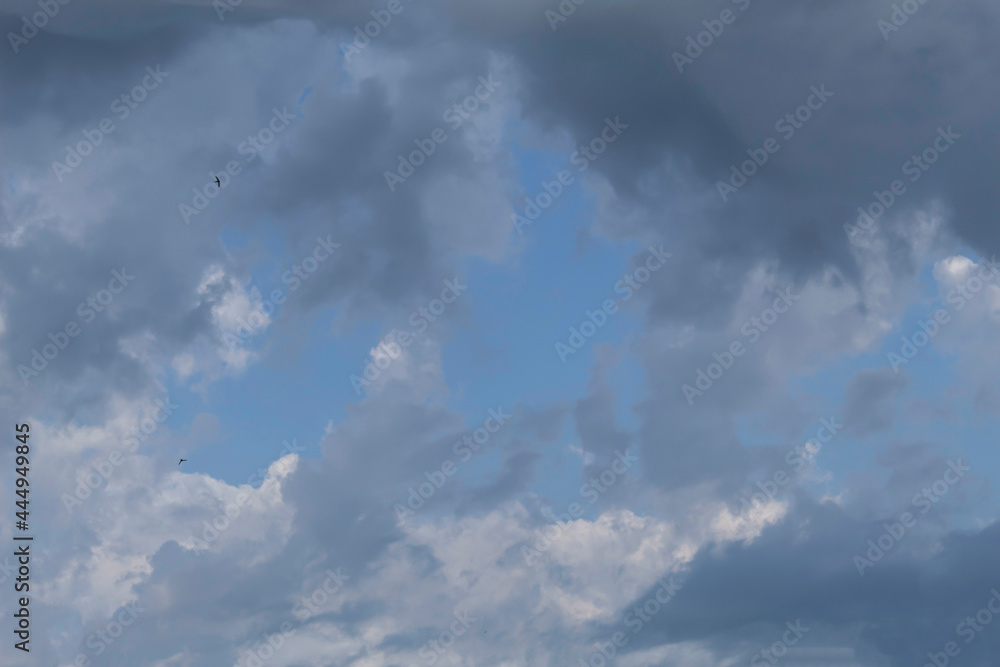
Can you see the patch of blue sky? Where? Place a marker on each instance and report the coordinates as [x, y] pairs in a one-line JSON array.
[[257, 419], [516, 317], [957, 430]]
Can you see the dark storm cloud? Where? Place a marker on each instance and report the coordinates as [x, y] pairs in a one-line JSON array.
[[802, 569], [331, 184], [685, 130], [889, 98], [869, 401], [706, 117], [47, 75]]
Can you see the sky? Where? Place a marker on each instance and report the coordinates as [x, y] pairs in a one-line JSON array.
[[590, 332]]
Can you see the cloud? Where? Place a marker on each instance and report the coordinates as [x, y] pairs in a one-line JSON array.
[[869, 400], [770, 268]]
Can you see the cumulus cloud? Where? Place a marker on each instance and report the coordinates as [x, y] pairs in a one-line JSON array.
[[771, 322]]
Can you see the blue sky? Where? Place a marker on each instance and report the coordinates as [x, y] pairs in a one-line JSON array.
[[407, 519]]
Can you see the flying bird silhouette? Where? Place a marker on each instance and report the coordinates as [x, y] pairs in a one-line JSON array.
[[181, 461], [217, 182]]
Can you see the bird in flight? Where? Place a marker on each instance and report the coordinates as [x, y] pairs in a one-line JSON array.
[[217, 182], [181, 461]]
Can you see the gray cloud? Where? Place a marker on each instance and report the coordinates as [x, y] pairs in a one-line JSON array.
[[324, 176]]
